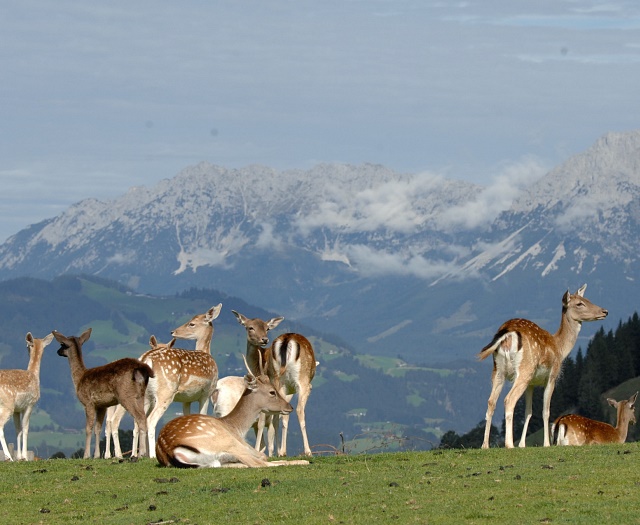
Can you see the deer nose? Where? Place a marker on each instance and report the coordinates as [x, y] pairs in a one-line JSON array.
[[265, 340]]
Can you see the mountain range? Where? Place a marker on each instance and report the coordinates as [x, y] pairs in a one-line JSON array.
[[410, 265]]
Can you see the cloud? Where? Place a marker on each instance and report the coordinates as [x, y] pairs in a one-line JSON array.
[[372, 263], [495, 198], [393, 205]]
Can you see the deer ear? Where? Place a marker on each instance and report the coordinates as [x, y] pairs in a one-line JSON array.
[[60, 338], [582, 289], [612, 402], [214, 312], [153, 342], [250, 381], [632, 399], [47, 340], [29, 338], [84, 337], [565, 298], [274, 322], [241, 318]]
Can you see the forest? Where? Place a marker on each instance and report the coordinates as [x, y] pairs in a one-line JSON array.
[[610, 360]]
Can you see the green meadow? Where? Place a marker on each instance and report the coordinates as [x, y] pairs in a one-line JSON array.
[[599, 484]]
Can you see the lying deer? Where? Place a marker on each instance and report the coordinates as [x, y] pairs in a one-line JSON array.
[[199, 440], [19, 392], [123, 381], [530, 356], [573, 429]]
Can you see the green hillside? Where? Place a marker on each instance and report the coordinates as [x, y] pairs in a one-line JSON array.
[[358, 402]]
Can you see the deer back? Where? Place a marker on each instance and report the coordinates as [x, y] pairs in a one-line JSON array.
[[290, 360]]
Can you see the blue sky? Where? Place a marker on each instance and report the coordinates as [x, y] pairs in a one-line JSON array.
[[100, 96]]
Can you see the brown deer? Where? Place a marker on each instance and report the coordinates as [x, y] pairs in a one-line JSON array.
[[291, 366], [529, 356], [123, 381], [572, 429], [19, 392], [199, 440], [117, 412]]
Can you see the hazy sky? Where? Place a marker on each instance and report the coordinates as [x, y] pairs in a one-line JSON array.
[[100, 96]]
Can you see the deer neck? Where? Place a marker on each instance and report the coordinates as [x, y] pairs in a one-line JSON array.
[[240, 419], [567, 334], [203, 343], [34, 363], [77, 366], [254, 358], [622, 426]]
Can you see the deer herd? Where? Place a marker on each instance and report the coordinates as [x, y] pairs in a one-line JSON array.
[[523, 353]]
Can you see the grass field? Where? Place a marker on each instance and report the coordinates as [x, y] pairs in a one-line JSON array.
[[533, 485]]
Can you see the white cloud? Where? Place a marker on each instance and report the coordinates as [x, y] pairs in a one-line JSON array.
[[495, 198], [391, 205], [370, 262]]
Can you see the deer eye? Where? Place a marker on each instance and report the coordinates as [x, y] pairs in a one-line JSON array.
[[272, 393]]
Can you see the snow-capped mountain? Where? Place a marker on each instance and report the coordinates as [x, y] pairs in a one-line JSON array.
[[410, 264]]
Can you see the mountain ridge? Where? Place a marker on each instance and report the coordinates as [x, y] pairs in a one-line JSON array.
[[361, 251]]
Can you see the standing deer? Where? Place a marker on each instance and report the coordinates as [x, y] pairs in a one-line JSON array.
[[123, 381], [199, 440], [116, 413], [529, 356], [572, 429], [185, 376], [290, 364], [19, 392]]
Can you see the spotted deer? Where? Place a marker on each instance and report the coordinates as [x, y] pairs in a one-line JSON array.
[[572, 429], [19, 392], [291, 366], [198, 440], [123, 381], [529, 356], [185, 376]]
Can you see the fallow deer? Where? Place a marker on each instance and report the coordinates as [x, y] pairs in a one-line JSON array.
[[291, 366], [185, 376], [572, 429], [199, 440], [529, 356], [19, 392], [123, 381]]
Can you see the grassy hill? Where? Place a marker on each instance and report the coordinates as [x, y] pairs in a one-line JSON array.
[[535, 485]]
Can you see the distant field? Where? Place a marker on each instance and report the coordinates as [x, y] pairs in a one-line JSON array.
[[535, 485]]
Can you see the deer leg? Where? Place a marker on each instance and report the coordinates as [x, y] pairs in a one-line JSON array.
[[497, 382], [26, 417], [154, 416], [527, 415], [546, 405], [4, 417], [135, 407], [97, 429], [282, 450], [260, 430], [17, 422], [303, 397], [114, 417], [519, 386], [90, 414], [273, 434]]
